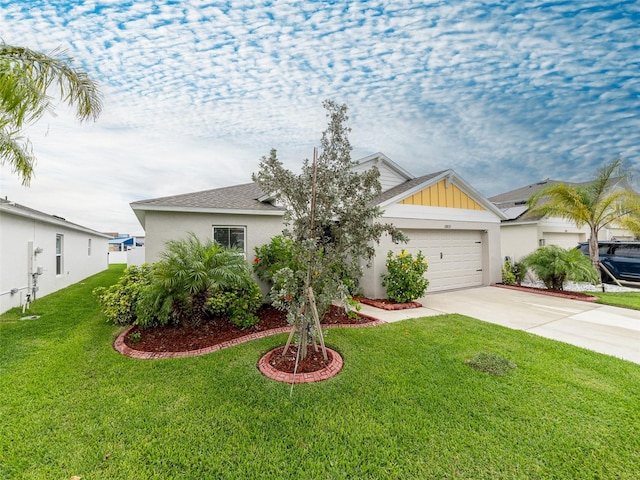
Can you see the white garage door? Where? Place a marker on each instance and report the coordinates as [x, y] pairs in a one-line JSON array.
[[454, 256]]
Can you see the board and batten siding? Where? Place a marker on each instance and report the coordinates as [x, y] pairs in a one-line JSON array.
[[443, 195]]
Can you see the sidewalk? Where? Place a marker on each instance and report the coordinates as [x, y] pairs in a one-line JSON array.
[[604, 329]]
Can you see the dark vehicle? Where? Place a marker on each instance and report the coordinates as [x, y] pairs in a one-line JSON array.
[[622, 259]]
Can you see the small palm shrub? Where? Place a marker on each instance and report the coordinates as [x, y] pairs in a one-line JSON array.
[[554, 265], [119, 301], [404, 280], [239, 304], [189, 272]]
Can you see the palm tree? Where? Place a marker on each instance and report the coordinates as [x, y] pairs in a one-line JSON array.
[[190, 271], [26, 77], [607, 199]]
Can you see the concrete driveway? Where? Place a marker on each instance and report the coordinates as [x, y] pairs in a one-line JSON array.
[[609, 330]]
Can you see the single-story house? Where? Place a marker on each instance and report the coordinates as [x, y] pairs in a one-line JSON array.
[[521, 233], [456, 228], [42, 253]]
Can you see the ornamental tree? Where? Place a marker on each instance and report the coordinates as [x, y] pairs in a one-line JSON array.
[[331, 220]]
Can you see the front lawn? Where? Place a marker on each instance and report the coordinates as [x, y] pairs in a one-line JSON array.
[[405, 405], [619, 299]]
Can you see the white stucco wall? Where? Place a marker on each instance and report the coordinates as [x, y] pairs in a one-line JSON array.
[[488, 225], [163, 226], [521, 239], [21, 237]]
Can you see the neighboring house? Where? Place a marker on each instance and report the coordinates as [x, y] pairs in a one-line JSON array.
[[456, 228], [126, 249], [41, 253], [121, 244], [522, 233]]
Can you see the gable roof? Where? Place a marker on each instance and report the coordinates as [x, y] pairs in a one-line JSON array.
[[239, 199], [379, 158], [519, 196], [249, 198], [9, 207], [514, 203], [415, 185]]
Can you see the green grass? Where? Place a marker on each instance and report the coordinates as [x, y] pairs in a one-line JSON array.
[[405, 405], [622, 299]]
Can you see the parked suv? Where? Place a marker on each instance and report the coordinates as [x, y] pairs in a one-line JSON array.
[[622, 259]]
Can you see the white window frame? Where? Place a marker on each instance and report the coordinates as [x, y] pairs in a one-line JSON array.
[[59, 253], [230, 227]]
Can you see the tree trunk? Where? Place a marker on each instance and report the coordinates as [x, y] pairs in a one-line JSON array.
[[594, 252]]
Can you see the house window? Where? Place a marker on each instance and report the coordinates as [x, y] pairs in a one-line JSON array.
[[230, 237], [59, 249], [89, 247]]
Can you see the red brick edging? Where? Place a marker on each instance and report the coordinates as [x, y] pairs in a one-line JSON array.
[[124, 349], [329, 371], [552, 293]]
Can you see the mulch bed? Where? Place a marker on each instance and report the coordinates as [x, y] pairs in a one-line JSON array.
[[182, 338], [387, 304], [585, 297], [287, 363]]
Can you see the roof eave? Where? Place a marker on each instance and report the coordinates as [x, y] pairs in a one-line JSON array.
[[172, 208]]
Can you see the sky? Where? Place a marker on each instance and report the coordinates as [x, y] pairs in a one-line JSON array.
[[505, 93]]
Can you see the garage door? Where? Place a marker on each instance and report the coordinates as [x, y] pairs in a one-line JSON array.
[[455, 257]]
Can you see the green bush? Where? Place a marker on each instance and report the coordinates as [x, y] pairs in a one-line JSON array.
[[508, 277], [190, 270], [238, 304], [119, 301], [404, 279], [274, 256], [554, 265], [513, 273]]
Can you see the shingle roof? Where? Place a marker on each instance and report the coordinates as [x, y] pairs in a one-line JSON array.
[[404, 187], [235, 197], [514, 203], [245, 197], [520, 195], [7, 206]]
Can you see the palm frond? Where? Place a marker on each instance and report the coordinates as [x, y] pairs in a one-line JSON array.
[[33, 73], [16, 152]]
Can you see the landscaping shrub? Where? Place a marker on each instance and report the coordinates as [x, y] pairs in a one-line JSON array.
[[274, 256], [554, 265], [513, 273], [189, 272], [404, 279], [238, 304], [119, 301]]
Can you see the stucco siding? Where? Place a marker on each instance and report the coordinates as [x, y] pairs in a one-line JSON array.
[[521, 239], [161, 227], [28, 243]]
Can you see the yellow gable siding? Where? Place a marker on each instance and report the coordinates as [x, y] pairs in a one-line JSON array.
[[439, 195]]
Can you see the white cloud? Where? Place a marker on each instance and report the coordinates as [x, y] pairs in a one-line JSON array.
[[504, 94]]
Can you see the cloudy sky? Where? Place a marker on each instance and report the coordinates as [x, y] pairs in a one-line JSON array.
[[506, 93]]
